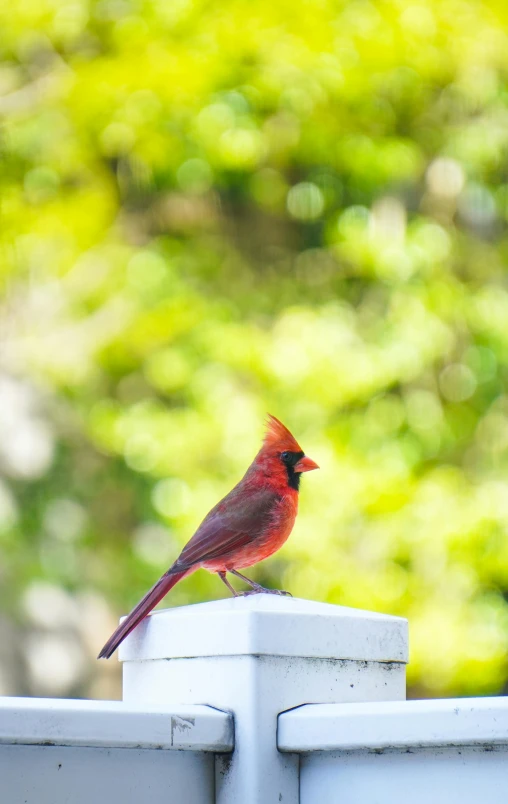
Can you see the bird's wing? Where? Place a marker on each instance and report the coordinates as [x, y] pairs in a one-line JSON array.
[[234, 522]]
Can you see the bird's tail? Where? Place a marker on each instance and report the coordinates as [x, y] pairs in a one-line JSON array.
[[152, 597]]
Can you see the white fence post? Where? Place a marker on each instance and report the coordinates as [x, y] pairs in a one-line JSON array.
[[257, 656]]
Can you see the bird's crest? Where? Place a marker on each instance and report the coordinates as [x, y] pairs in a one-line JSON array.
[[278, 436]]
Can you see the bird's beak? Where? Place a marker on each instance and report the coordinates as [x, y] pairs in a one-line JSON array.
[[305, 465]]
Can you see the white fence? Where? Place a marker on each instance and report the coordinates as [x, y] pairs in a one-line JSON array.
[[252, 701], [93, 751], [425, 752]]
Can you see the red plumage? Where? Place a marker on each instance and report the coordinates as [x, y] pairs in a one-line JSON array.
[[249, 524]]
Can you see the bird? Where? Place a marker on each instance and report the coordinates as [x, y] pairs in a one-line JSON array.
[[248, 525]]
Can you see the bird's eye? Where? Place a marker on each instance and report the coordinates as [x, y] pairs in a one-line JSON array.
[[284, 456]]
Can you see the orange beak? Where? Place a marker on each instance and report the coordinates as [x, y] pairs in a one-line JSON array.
[[305, 465]]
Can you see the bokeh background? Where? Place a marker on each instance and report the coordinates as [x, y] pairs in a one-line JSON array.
[[213, 210]]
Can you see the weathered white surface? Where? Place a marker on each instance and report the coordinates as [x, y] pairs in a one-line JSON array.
[[77, 752], [258, 656], [425, 752], [35, 774], [268, 625], [407, 724], [427, 776], [46, 721]]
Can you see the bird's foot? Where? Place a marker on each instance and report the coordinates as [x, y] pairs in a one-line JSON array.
[[262, 591]]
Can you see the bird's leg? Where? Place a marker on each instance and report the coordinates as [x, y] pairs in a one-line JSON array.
[[222, 576], [257, 589]]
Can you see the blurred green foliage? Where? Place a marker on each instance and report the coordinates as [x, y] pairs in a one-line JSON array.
[[213, 210]]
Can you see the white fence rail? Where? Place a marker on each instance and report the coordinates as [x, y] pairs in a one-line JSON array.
[[382, 726], [258, 700], [112, 724], [79, 752], [425, 752]]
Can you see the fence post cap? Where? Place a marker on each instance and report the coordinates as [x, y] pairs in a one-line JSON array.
[[268, 625]]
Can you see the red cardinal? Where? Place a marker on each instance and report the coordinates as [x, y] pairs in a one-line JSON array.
[[249, 524]]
